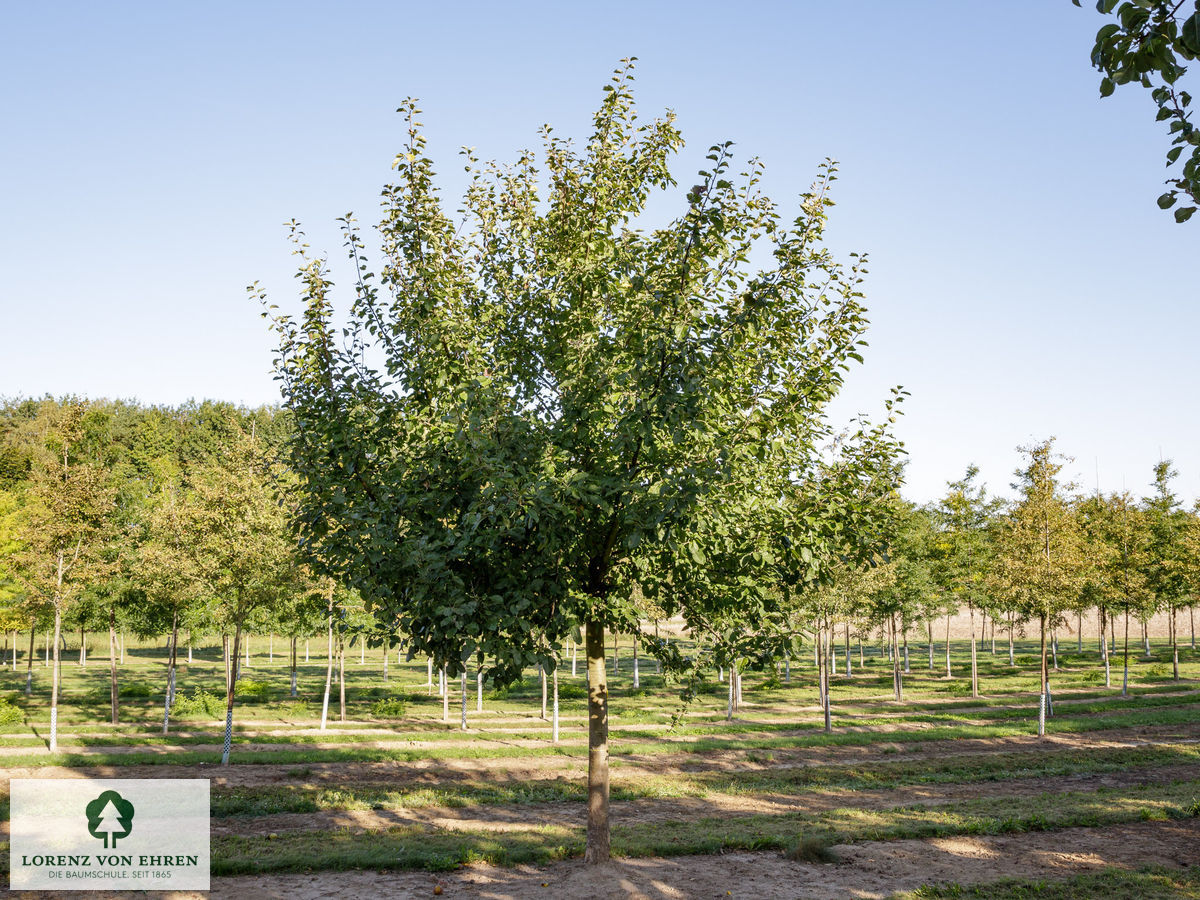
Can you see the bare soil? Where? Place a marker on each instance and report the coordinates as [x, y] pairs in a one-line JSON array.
[[869, 870]]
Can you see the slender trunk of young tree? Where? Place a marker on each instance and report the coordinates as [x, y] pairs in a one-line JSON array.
[[189, 646], [598, 847], [1146, 635], [555, 713], [463, 691], [386, 649], [341, 648], [574, 657], [830, 665], [948, 673], [479, 689], [787, 667], [636, 677], [849, 671], [1045, 681], [544, 686], [616, 655], [328, 668], [729, 702], [1191, 618], [861, 663], [1054, 646], [445, 695], [169, 695], [112, 665], [429, 675], [904, 630], [231, 690], [897, 675], [225, 657], [1104, 656], [1011, 659], [306, 651], [1174, 644], [929, 635], [1079, 632], [29, 663], [974, 660], [54, 676], [294, 660], [831, 648], [1125, 673], [247, 650]]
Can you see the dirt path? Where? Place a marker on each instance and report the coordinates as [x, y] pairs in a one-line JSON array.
[[869, 870], [640, 812]]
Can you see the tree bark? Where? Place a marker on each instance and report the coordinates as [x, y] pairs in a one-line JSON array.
[[599, 848], [229, 692], [974, 659], [54, 677], [1045, 680], [112, 665]]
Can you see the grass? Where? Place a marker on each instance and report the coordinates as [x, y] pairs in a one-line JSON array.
[[408, 847], [1112, 884]]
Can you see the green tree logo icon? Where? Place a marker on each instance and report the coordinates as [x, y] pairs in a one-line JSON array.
[[110, 816]]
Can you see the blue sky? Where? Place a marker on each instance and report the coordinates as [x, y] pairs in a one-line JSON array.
[[1023, 283]]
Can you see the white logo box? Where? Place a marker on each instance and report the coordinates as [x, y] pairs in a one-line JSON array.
[[57, 843]]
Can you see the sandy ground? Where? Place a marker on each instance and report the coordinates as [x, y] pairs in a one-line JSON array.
[[869, 870]]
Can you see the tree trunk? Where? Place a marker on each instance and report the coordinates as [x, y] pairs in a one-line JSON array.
[[827, 712], [328, 668], [1045, 680], [1125, 674], [897, 676], [463, 691], [974, 660], [598, 842], [1175, 645], [929, 634], [636, 677], [948, 672], [169, 695], [294, 660], [341, 678], [1011, 659], [114, 694], [225, 656], [555, 701], [849, 670], [545, 690], [229, 692], [54, 672], [386, 648], [83, 649], [479, 689], [29, 664], [445, 695]]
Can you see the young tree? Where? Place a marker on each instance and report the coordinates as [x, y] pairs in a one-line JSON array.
[[1040, 555], [71, 504], [243, 551], [964, 515], [557, 387], [1166, 568]]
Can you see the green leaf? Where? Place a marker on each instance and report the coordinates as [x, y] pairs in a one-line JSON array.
[[1167, 200], [1184, 213], [1189, 34], [1106, 87]]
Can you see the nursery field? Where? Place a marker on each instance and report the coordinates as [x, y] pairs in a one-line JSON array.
[[942, 789]]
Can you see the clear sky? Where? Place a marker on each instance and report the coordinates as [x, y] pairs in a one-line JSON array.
[[1023, 283]]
